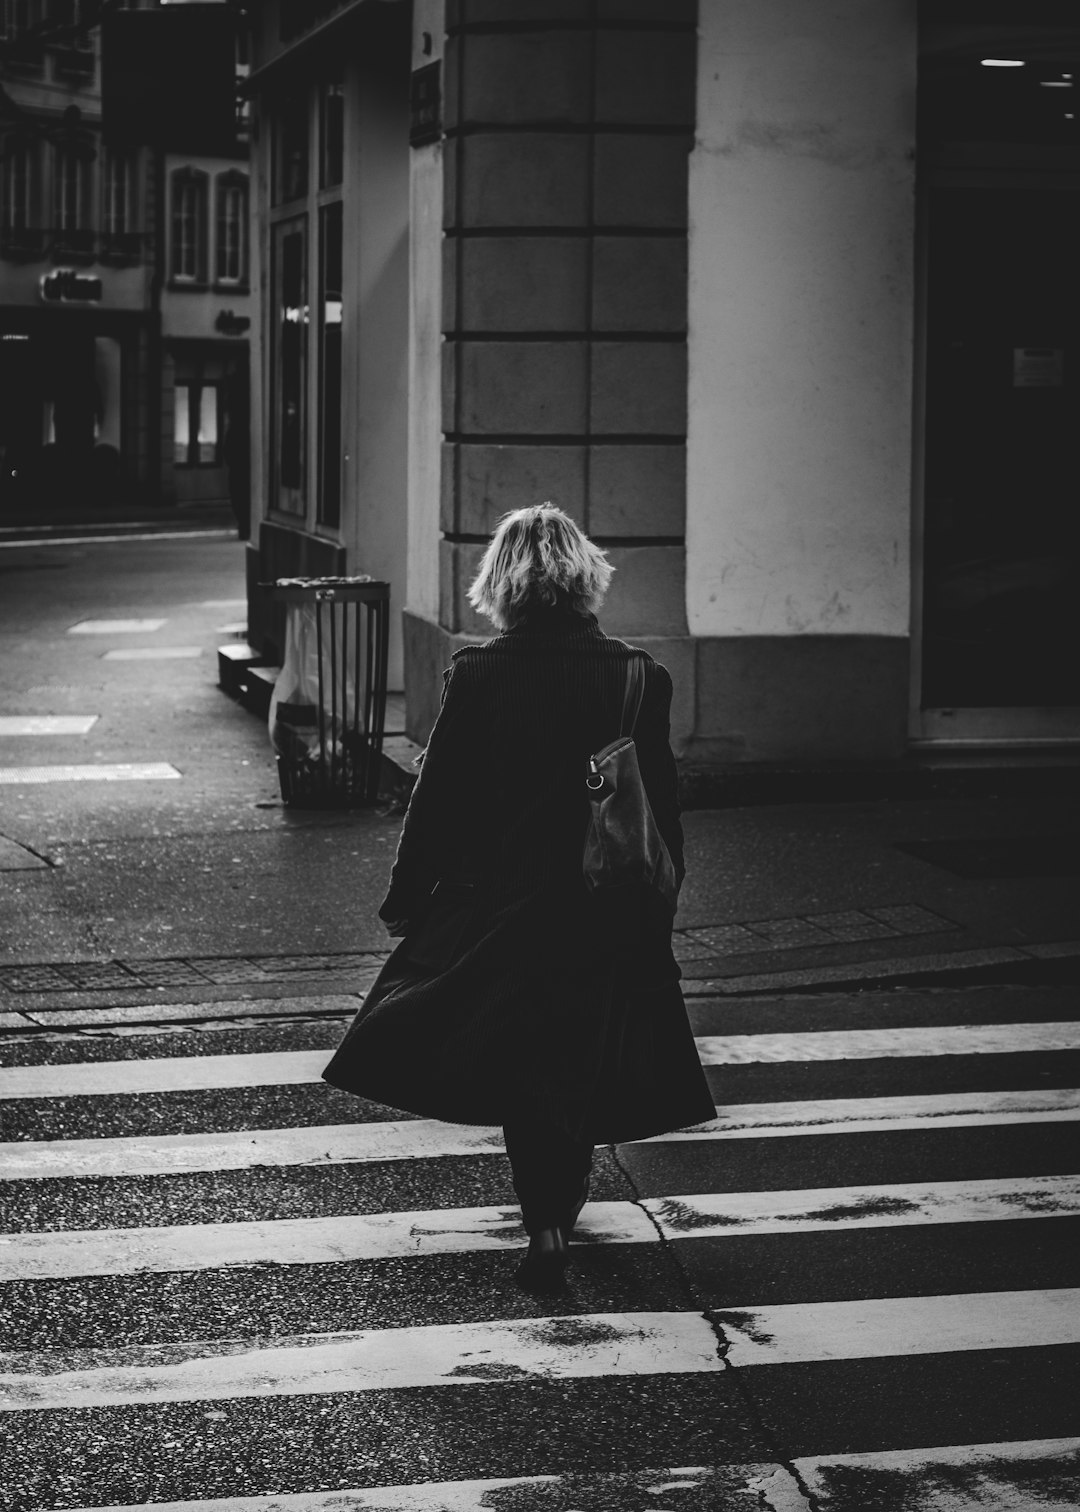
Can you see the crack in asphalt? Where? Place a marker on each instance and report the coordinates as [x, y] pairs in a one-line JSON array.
[[723, 1345]]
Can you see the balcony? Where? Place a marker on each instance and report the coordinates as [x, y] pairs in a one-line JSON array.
[[75, 64], [75, 246], [121, 248], [24, 56], [22, 243]]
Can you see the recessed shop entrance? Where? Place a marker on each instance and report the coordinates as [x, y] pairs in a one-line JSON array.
[[1001, 539], [999, 518], [61, 419]]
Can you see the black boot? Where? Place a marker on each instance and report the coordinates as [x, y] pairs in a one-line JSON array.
[[544, 1266], [575, 1211]]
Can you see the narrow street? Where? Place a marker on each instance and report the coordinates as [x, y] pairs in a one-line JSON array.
[[226, 1287]]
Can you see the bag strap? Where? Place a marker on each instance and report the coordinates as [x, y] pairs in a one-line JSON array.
[[634, 695]]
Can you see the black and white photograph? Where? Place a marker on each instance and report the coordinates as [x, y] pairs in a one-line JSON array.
[[539, 756]]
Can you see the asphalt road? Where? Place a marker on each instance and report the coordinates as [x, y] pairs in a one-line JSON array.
[[226, 1287]]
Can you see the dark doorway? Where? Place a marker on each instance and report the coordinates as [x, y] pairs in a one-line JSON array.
[[999, 178], [1002, 522]]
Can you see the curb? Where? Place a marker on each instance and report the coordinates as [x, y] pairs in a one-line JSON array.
[[1054, 964], [989, 776]]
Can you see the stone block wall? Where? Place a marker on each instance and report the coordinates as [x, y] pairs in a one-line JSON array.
[[568, 129]]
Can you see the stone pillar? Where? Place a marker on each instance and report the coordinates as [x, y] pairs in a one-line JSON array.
[[801, 331], [568, 127]]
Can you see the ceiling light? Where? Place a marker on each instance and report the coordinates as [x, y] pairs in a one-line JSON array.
[[1056, 83], [1002, 62]]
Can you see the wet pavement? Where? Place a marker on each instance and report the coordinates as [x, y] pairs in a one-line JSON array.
[[855, 1291]]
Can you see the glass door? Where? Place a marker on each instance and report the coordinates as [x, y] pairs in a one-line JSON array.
[[1001, 512], [289, 320]]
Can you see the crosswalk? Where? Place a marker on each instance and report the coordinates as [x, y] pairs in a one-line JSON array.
[[225, 1287]]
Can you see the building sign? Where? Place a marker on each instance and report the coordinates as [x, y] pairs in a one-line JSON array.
[[65, 286], [425, 105], [1038, 367], [231, 324]]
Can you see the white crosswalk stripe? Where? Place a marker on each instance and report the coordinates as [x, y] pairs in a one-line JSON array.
[[609, 1346], [870, 1115], [885, 1326], [285, 1068], [376, 1360], [103, 771], [426, 1139], [542, 1348], [956, 1477], [733, 1215], [446, 1231], [180, 1074], [870, 1044], [165, 1154], [743, 1481]]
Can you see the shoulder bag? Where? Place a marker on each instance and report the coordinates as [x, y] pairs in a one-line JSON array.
[[624, 848]]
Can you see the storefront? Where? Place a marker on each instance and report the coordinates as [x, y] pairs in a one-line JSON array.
[[332, 231], [998, 524], [124, 229], [778, 300], [882, 528], [72, 390]]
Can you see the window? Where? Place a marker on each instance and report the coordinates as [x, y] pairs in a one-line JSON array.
[[230, 266], [17, 17], [188, 251], [71, 178], [118, 194], [331, 250], [291, 150], [331, 135], [18, 184], [196, 425], [289, 332]]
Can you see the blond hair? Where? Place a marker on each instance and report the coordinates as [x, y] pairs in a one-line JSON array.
[[538, 557]]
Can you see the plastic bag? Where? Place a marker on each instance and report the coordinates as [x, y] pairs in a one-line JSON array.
[[311, 742]]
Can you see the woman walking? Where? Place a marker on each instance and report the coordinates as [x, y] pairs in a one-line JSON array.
[[515, 997]]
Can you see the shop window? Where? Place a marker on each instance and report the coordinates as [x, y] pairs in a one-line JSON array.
[[188, 242], [230, 265], [331, 135], [197, 425], [331, 250], [291, 150], [289, 332]]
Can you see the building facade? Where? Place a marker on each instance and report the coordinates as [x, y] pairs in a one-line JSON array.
[[772, 297], [124, 290]]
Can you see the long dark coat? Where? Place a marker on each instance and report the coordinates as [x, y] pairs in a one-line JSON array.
[[511, 996]]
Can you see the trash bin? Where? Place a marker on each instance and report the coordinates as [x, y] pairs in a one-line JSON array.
[[328, 710]]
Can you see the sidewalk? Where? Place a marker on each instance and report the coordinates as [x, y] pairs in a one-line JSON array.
[[779, 900], [209, 893], [122, 519]]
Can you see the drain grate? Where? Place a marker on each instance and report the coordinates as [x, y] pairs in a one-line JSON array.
[[1001, 856]]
